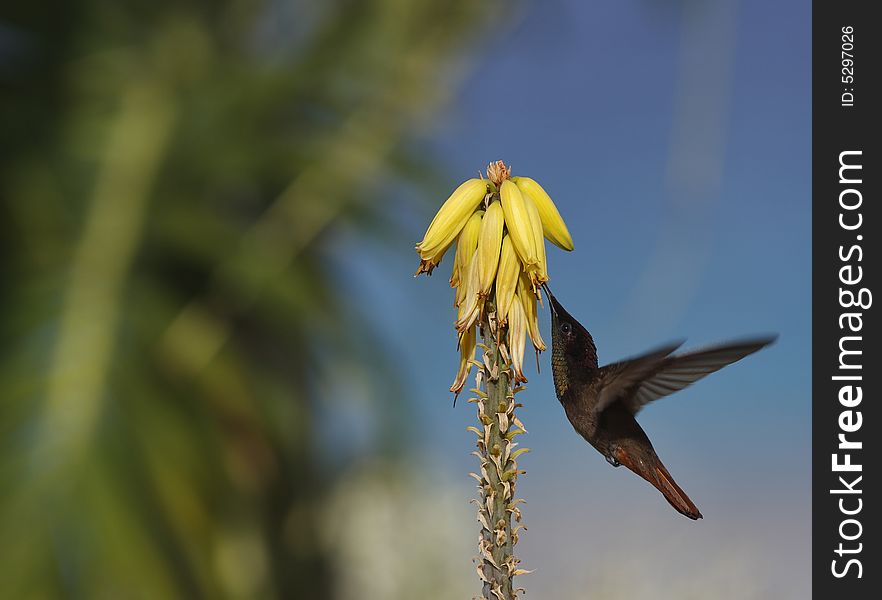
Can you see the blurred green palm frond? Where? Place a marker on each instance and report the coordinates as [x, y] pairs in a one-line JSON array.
[[171, 173]]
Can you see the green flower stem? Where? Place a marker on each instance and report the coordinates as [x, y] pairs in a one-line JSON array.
[[497, 505]]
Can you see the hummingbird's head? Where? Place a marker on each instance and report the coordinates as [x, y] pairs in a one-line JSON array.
[[573, 353]]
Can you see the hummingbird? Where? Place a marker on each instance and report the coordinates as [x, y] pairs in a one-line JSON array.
[[602, 402]]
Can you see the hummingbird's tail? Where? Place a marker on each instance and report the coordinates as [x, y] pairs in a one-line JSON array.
[[673, 493], [652, 470]]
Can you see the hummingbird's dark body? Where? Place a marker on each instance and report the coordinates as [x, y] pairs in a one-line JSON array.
[[601, 402]]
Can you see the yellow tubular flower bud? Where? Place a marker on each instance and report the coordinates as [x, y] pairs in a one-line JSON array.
[[471, 304], [452, 217], [506, 278], [467, 345], [517, 219], [489, 247], [517, 339], [527, 300], [466, 243], [553, 225], [539, 271]]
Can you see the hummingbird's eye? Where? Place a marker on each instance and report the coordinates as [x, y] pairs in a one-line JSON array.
[[566, 327]]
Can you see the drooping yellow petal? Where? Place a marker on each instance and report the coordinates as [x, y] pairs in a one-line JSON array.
[[489, 247], [452, 217], [467, 345], [539, 271], [506, 278], [517, 219], [527, 300], [517, 339], [466, 243], [471, 305], [553, 225]]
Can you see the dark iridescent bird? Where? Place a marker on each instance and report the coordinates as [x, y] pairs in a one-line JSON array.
[[601, 402]]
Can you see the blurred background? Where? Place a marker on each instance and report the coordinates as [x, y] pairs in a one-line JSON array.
[[218, 377]]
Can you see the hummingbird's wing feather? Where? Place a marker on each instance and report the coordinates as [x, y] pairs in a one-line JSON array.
[[674, 373], [619, 378]]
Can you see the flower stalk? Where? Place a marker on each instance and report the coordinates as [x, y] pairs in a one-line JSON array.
[[499, 226], [498, 508]]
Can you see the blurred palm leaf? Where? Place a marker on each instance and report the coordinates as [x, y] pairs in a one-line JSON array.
[[170, 173]]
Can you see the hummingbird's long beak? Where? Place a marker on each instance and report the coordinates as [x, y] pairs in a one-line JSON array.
[[552, 301]]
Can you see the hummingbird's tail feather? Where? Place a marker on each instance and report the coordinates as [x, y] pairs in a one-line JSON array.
[[652, 470], [674, 494]]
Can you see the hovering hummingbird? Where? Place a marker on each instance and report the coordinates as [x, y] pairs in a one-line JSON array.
[[601, 402]]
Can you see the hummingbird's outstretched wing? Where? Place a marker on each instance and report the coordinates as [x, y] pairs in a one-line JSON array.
[[637, 385], [617, 379]]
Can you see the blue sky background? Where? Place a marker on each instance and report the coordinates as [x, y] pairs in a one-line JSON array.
[[675, 140]]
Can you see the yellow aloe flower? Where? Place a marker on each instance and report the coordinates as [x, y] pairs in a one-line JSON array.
[[553, 225], [467, 345], [472, 304], [449, 221], [539, 271], [517, 220], [499, 226], [528, 302], [517, 339], [506, 278], [489, 247], [466, 243]]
